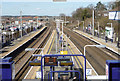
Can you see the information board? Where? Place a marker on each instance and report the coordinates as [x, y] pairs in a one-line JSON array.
[[50, 61], [66, 63]]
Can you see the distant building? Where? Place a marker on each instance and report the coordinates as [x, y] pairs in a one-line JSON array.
[[103, 13]]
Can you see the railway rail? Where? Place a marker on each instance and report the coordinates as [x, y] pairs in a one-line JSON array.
[[21, 58], [96, 56]]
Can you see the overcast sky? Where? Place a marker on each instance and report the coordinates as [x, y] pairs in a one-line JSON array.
[[48, 7]]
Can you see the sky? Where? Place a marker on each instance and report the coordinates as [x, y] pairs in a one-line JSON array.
[[42, 8]]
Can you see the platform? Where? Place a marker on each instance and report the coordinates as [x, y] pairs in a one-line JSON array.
[[19, 42], [50, 48], [32, 72], [109, 45]]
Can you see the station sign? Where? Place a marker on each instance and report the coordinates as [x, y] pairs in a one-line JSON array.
[[114, 15], [50, 61], [38, 74], [63, 52], [88, 71]]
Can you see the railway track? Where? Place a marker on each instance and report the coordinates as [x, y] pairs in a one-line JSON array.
[[96, 56], [41, 41], [22, 58]]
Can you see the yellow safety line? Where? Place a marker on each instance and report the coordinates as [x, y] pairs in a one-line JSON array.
[[75, 57], [51, 46]]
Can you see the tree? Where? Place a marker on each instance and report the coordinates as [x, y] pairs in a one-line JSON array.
[[82, 13], [62, 15], [113, 5], [100, 7]]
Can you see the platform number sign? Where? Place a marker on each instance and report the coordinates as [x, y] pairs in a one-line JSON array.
[[89, 71], [38, 74]]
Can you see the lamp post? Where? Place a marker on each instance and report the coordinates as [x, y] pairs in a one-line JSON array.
[[65, 20], [83, 26], [37, 22], [21, 22], [67, 42], [98, 28], [78, 23], [62, 36], [93, 22]]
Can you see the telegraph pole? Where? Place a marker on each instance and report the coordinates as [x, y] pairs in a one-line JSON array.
[[37, 21], [65, 20], [98, 28], [93, 23], [21, 22]]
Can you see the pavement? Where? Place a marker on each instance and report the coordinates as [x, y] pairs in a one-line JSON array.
[[109, 45]]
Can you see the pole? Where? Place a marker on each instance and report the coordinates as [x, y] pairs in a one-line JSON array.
[[78, 23], [65, 20], [84, 50], [51, 73], [56, 40], [112, 33], [83, 26], [62, 36], [98, 29], [118, 43], [1, 35], [43, 61], [37, 21], [21, 22], [66, 43], [93, 22]]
